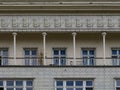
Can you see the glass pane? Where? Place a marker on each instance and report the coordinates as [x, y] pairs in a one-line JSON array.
[[10, 88], [56, 60], [84, 52], [10, 83], [118, 82], [56, 52], [5, 53], [114, 52], [79, 89], [29, 88], [85, 61], [69, 83], [34, 52], [1, 83], [19, 88], [63, 61], [118, 88], [5, 61], [89, 88], [27, 52], [29, 83], [89, 83], [70, 89], [63, 52], [119, 52], [91, 52], [114, 61], [114, 57], [92, 61], [59, 83], [34, 61], [59, 88], [19, 83], [79, 83], [27, 61]]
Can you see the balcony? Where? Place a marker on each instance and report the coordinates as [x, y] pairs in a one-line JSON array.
[[50, 61]]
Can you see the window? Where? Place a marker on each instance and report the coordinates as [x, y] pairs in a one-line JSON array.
[[16, 85], [74, 85], [116, 56], [30, 56], [88, 56], [59, 55], [117, 85], [4, 56]]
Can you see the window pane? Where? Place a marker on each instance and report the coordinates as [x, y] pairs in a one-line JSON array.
[[118, 82], [56, 60], [79, 83], [62, 52], [79, 89], [89, 88], [91, 52], [84, 52], [119, 52], [5, 53], [10, 88], [69, 83], [1, 83], [29, 88], [29, 83], [117, 88], [34, 52], [56, 52], [19, 83], [27, 52], [59, 83], [62, 61], [19, 88], [89, 83], [10, 83], [69, 89], [114, 52], [59, 88]]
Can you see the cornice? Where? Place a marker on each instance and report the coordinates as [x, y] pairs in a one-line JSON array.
[[59, 7]]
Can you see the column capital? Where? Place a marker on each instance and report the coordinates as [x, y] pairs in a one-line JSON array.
[[44, 33], [74, 33], [104, 33], [14, 33]]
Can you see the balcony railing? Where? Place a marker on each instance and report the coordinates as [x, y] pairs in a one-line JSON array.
[[37, 61]]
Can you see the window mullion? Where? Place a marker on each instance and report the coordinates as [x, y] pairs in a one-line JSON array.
[[74, 86], [4, 85], [24, 84], [14, 86], [64, 85], [84, 85], [59, 55]]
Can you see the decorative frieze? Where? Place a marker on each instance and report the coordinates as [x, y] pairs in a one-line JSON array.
[[61, 22]]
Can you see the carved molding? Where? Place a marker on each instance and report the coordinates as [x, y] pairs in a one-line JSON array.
[[61, 22]]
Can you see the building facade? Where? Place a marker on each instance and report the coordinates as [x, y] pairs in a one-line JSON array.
[[59, 45]]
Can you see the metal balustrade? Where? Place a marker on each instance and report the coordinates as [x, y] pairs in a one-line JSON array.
[[38, 61]]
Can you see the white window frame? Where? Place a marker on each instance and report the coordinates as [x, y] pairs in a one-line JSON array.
[[115, 61], [14, 86], [74, 86], [29, 57], [116, 84], [3, 57], [59, 56], [89, 56]]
